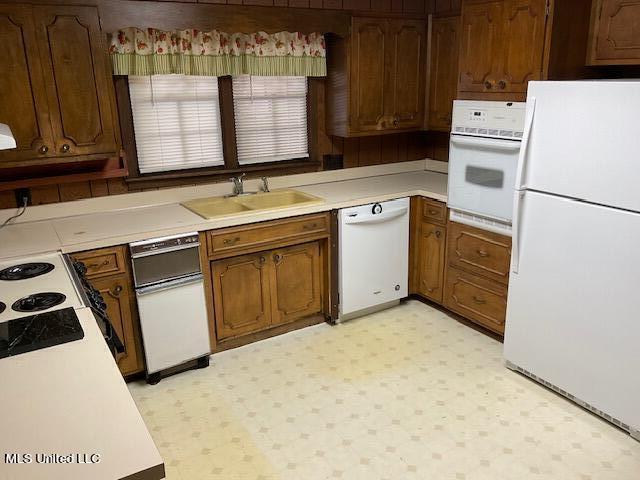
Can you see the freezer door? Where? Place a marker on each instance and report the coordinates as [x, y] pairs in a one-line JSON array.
[[572, 310], [584, 141]]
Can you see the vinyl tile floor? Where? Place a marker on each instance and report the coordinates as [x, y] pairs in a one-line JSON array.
[[407, 393]]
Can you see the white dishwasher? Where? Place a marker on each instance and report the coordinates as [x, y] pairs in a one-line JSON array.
[[373, 257]]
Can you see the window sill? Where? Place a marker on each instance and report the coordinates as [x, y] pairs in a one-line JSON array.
[[220, 174]]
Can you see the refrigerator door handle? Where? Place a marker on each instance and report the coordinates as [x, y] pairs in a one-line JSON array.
[[522, 157], [516, 247]]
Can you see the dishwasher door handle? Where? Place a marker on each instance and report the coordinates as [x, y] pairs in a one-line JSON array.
[[376, 218], [178, 282]]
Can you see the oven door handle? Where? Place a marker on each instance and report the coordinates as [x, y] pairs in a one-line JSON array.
[[178, 282], [485, 143]]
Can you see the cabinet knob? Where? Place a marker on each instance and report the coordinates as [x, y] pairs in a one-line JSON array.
[[488, 85], [118, 290], [438, 233], [277, 258], [230, 241], [263, 260], [502, 84], [43, 149], [65, 148]]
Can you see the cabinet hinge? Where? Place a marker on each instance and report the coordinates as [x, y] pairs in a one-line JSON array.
[[547, 8]]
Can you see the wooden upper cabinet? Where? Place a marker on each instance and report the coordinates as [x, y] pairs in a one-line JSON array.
[[24, 102], [368, 94], [615, 32], [407, 72], [502, 47], [241, 294], [378, 72], [78, 82], [296, 286], [58, 88], [445, 40], [523, 31], [480, 47]]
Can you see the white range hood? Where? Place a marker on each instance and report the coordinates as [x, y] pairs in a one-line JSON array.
[[6, 138]]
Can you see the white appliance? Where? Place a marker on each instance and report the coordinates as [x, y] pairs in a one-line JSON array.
[[171, 302], [6, 137], [573, 321], [373, 257], [483, 159]]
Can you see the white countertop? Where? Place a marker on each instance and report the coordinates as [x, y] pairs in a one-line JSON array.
[[71, 399], [101, 229]]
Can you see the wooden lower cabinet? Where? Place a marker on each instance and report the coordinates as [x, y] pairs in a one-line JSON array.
[[296, 282], [117, 292], [431, 260], [262, 290], [476, 298], [241, 295]]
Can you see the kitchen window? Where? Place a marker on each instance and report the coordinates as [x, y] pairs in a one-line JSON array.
[[214, 126]]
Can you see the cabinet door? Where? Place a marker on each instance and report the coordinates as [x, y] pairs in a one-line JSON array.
[[431, 260], [481, 46], [406, 72], [296, 287], [368, 95], [523, 36], [79, 85], [445, 39], [241, 294], [24, 102], [117, 293], [616, 32]]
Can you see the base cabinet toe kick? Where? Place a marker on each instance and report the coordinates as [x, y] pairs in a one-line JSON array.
[[460, 267]]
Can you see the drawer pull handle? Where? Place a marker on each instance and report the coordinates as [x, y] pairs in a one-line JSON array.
[[433, 212], [479, 301], [482, 253], [98, 265], [309, 226], [430, 290], [231, 241]]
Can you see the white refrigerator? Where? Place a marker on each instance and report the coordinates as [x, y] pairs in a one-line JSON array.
[[573, 309]]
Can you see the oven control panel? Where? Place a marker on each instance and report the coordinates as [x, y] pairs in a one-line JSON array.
[[488, 119], [161, 244]]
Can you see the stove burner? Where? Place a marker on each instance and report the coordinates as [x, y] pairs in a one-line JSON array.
[[25, 270], [38, 301], [2, 307]]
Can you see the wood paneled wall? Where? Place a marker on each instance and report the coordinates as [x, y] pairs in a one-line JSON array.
[[356, 151]]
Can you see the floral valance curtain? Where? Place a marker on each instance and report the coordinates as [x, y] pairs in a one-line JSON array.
[[193, 52]]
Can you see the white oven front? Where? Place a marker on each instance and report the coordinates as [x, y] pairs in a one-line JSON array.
[[482, 172]]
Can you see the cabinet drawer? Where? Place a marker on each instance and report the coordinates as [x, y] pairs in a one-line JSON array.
[[102, 262], [434, 211], [480, 252], [476, 298], [244, 239]]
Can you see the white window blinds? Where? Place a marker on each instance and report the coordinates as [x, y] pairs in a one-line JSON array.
[[270, 118], [176, 120]]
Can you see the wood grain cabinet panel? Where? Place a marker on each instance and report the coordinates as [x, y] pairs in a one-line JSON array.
[[117, 292], [431, 260], [443, 75], [615, 32], [407, 73], [523, 36], [479, 251], [369, 100], [77, 80], [476, 298], [24, 103], [241, 294], [379, 72], [480, 46], [296, 286]]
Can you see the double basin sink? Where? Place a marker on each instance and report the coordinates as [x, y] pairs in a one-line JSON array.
[[213, 207]]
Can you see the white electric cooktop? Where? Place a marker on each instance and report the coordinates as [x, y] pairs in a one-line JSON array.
[[35, 284]]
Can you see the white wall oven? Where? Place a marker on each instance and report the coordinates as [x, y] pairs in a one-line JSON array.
[[483, 159]]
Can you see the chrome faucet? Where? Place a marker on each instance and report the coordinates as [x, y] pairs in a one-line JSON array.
[[265, 184], [238, 186]]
